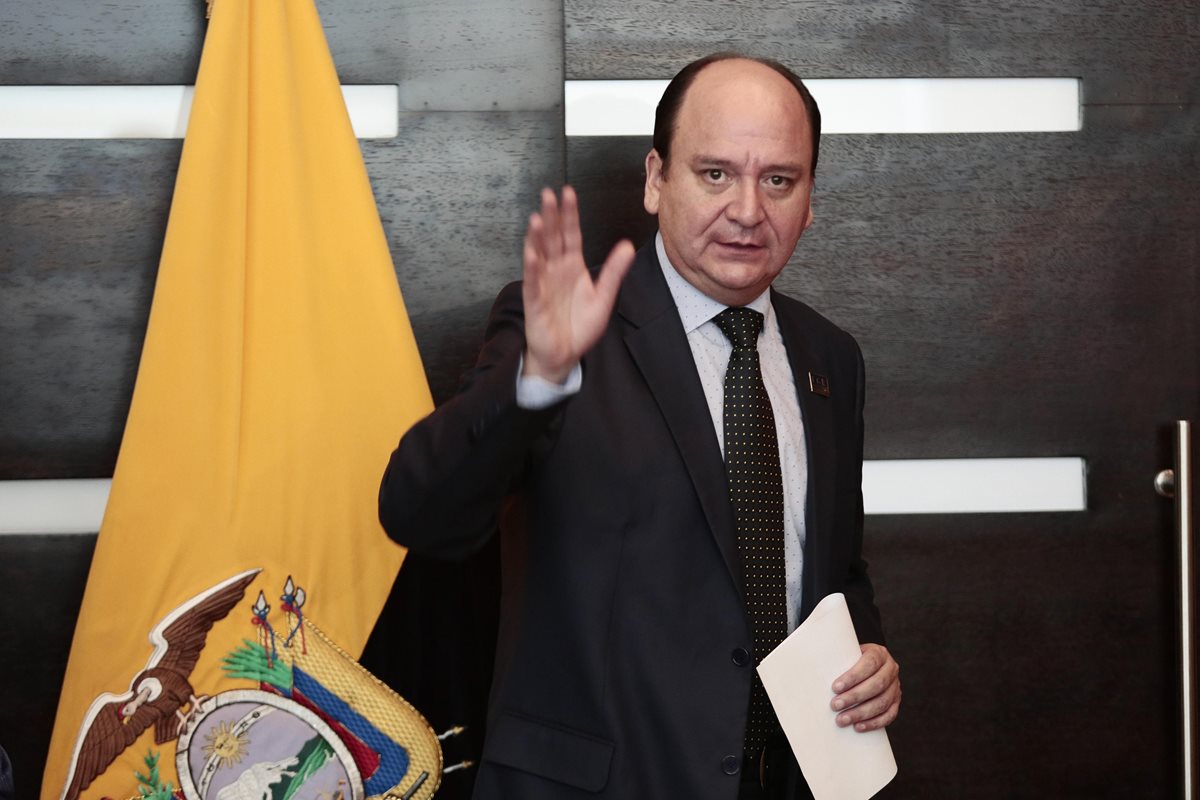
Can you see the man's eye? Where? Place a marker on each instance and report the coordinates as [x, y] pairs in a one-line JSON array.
[[779, 181], [715, 175]]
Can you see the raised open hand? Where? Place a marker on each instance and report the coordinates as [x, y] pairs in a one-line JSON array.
[[565, 310]]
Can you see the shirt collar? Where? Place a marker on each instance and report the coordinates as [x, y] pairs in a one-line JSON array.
[[694, 306]]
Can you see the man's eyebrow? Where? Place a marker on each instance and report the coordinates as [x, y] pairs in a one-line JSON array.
[[709, 162], [712, 161]]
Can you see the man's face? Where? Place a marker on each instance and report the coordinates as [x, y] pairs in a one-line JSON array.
[[736, 195]]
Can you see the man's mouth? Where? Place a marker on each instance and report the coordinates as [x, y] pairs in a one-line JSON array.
[[743, 247]]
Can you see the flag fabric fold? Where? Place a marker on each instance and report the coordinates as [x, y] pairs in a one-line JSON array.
[[278, 371]]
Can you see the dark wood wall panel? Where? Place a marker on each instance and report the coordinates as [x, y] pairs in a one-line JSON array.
[[1127, 52], [81, 222], [979, 273], [454, 192], [442, 55], [41, 587], [125, 41], [80, 236], [461, 56], [1036, 667], [947, 256]]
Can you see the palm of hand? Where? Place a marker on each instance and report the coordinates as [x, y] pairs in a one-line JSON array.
[[565, 309]]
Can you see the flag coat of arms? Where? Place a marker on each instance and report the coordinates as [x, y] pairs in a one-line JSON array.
[[278, 371]]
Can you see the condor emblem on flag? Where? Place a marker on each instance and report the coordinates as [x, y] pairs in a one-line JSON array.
[[318, 725]]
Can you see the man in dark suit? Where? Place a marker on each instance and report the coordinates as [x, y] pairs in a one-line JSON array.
[[599, 432]]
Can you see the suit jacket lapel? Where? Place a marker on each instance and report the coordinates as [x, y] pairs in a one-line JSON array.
[[817, 413], [660, 350]]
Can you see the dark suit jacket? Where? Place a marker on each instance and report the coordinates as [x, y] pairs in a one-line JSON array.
[[6, 777], [622, 600]]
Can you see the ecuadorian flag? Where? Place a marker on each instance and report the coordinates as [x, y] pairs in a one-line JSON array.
[[278, 372]]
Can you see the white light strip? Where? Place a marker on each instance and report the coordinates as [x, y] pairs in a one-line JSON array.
[[154, 112], [860, 105], [926, 486], [974, 485], [60, 506]]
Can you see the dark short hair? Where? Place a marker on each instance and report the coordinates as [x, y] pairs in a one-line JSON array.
[[672, 100]]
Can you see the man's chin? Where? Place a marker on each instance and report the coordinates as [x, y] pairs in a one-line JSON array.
[[736, 282]]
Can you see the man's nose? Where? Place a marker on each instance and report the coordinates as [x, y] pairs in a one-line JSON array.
[[745, 207]]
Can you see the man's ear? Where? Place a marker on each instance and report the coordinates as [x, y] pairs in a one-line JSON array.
[[654, 179]]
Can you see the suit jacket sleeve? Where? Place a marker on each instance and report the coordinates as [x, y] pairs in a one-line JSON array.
[[452, 470], [860, 595]]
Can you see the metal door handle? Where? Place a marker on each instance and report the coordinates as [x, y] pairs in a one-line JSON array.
[[1177, 483], [1164, 483]]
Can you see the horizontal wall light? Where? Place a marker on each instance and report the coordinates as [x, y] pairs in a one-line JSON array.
[[860, 105], [925, 486], [55, 506], [154, 112], [974, 485]]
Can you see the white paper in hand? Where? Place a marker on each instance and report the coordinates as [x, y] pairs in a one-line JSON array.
[[838, 763]]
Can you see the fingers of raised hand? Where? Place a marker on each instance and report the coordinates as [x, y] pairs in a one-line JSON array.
[[534, 254], [534, 236], [553, 237], [552, 225], [572, 238], [565, 311]]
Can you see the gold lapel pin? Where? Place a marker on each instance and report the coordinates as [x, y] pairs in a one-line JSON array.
[[818, 384]]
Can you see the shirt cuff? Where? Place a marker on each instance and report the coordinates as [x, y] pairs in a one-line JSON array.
[[534, 393]]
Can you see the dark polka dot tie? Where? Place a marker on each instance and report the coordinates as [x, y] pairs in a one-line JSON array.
[[756, 493]]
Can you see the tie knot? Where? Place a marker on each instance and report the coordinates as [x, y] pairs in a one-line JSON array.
[[741, 326]]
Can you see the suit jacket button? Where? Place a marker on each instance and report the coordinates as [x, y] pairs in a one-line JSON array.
[[730, 765], [740, 656]]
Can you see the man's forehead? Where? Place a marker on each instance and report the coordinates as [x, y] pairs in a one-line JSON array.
[[741, 110], [736, 77]]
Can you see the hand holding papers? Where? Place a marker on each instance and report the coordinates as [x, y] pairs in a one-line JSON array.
[[838, 763]]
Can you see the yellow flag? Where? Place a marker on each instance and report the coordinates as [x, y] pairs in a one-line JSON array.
[[278, 371]]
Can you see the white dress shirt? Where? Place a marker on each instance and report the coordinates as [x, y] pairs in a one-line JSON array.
[[711, 351]]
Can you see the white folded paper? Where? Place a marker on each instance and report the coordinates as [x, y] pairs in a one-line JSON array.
[[838, 763]]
